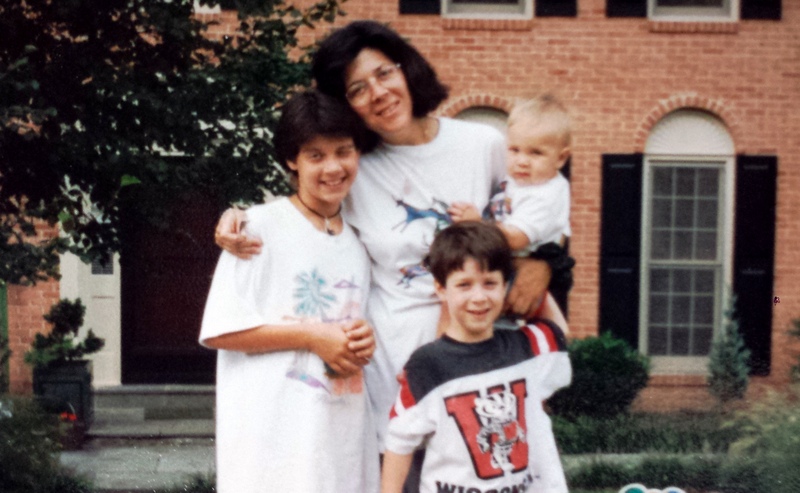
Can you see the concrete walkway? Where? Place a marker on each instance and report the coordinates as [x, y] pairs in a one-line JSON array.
[[141, 465]]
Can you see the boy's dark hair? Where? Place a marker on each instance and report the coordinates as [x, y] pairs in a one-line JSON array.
[[339, 49], [469, 239], [310, 114]]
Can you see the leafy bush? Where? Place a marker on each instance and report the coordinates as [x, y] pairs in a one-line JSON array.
[[607, 375], [640, 433], [28, 442], [771, 442], [701, 473]]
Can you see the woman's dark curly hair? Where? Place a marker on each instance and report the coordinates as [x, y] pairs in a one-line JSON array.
[[337, 52]]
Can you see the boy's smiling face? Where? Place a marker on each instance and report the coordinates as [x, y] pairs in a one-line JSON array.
[[474, 299]]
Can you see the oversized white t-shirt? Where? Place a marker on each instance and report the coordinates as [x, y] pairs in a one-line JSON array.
[[540, 210], [282, 424], [397, 204]]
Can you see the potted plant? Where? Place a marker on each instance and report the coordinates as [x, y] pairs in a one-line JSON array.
[[61, 375]]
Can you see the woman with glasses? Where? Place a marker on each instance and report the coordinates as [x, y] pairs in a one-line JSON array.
[[413, 168]]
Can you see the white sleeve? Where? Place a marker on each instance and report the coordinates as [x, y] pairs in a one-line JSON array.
[[410, 422], [539, 215], [232, 299]]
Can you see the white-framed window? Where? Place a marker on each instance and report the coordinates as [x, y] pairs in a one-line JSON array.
[[500, 9], [687, 226], [486, 115], [693, 10]]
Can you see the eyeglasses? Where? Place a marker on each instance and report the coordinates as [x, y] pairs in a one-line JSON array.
[[358, 92]]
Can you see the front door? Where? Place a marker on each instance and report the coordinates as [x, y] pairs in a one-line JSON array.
[[166, 274]]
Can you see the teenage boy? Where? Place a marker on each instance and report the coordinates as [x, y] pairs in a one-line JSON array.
[[473, 398]]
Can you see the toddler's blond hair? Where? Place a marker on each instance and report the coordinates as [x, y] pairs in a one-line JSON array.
[[543, 112]]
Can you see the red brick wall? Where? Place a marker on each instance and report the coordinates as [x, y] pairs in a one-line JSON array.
[[26, 306]]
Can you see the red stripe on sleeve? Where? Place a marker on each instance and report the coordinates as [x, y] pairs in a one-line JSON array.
[[531, 339], [406, 398]]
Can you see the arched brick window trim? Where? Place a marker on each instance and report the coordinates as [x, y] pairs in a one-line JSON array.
[[462, 103], [683, 102]]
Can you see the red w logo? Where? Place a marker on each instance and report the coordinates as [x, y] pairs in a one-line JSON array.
[[493, 428]]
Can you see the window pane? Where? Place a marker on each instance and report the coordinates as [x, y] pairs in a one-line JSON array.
[[657, 341], [659, 281], [662, 181], [704, 310], [681, 310], [706, 246], [689, 3], [681, 281], [499, 2], [679, 342], [685, 182], [708, 182], [662, 213], [704, 281], [682, 249], [684, 213], [659, 309], [660, 244], [701, 341], [707, 214]]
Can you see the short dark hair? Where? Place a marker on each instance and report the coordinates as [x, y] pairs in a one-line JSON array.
[[483, 242], [310, 114], [337, 52]]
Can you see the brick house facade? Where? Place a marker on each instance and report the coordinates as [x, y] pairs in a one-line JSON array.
[[621, 73]]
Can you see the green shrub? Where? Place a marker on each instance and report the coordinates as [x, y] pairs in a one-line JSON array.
[[607, 375], [638, 433], [728, 371], [771, 442], [28, 446], [695, 473]]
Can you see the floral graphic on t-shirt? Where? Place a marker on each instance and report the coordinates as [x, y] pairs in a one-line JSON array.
[[312, 300]]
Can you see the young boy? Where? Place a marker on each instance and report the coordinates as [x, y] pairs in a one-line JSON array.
[[474, 396], [532, 208]]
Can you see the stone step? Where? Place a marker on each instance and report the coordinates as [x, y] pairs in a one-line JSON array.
[[153, 411]]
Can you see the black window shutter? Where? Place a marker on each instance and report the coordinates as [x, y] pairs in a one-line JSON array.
[[620, 234], [556, 8], [761, 9], [754, 255], [420, 7], [626, 8]]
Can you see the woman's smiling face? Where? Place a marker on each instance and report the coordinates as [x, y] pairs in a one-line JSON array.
[[388, 109]]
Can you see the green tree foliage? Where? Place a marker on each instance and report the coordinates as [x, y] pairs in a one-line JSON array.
[[607, 375], [107, 107], [728, 371]]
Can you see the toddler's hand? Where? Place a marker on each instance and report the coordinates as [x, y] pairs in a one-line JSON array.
[[463, 211]]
